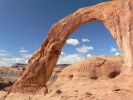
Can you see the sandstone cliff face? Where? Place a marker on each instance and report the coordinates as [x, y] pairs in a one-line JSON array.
[[117, 17]]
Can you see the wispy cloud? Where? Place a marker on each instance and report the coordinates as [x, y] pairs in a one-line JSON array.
[[89, 55], [13, 60], [117, 53], [113, 49], [23, 50], [3, 53], [84, 49], [2, 50], [70, 58], [23, 57], [85, 40]]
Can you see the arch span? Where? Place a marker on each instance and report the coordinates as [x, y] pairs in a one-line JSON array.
[[117, 18]]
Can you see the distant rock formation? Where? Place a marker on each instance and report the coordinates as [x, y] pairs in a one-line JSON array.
[[17, 65], [8, 75], [117, 17], [62, 65]]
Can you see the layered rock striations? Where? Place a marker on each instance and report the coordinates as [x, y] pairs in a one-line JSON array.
[[117, 18], [94, 68]]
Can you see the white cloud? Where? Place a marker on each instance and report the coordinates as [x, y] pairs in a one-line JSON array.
[[22, 58], [85, 40], [113, 49], [2, 50], [89, 55], [63, 53], [117, 54], [84, 49], [73, 42], [3, 53], [23, 51], [13, 60], [70, 59], [27, 56]]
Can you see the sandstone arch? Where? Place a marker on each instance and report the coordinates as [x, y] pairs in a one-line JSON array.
[[116, 16]]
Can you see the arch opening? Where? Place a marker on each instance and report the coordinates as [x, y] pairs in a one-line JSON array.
[[89, 40]]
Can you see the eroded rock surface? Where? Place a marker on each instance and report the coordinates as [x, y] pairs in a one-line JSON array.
[[95, 68], [116, 15], [101, 67]]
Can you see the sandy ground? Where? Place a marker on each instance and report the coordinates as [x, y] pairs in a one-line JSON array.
[[120, 88]]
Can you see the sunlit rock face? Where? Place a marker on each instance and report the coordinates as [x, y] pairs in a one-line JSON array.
[[92, 69], [116, 16], [101, 67]]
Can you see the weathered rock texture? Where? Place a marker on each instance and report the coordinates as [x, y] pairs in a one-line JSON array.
[[117, 17], [95, 68], [101, 67]]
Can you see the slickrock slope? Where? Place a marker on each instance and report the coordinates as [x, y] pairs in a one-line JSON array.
[[101, 67], [117, 17]]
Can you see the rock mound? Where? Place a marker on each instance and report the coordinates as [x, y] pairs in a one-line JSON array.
[[101, 67]]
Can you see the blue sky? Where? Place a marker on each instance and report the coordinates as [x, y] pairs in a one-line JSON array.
[[24, 24]]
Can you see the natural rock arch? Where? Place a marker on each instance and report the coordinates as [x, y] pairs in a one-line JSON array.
[[116, 16]]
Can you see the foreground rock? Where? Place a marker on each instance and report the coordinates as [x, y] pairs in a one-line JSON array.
[[81, 86], [8, 75], [95, 68], [56, 73]]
